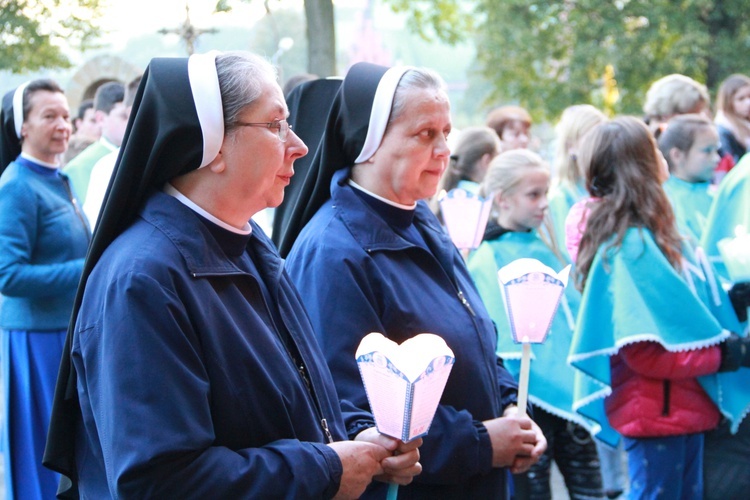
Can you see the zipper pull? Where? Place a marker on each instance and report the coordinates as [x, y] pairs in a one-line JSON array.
[[326, 431], [465, 302]]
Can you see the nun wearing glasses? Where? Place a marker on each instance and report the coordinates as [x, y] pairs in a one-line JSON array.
[[191, 370]]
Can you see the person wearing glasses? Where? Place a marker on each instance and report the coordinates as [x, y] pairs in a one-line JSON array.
[[191, 368]]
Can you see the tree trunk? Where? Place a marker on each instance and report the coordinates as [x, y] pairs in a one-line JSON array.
[[321, 38]]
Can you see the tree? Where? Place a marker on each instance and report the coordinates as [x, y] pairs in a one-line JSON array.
[[321, 36], [36, 34], [549, 55]]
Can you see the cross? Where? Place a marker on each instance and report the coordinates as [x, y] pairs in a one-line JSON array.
[[187, 31]]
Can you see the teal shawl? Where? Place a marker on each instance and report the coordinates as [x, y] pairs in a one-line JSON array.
[[550, 378], [635, 295], [691, 202], [731, 208]]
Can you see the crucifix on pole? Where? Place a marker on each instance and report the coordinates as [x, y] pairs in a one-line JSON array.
[[188, 32]]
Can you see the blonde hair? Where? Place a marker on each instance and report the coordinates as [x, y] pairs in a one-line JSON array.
[[505, 174], [508, 169], [725, 106], [674, 95], [574, 123]]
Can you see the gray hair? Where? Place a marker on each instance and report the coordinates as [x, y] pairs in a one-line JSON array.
[[414, 78], [674, 95], [241, 75]]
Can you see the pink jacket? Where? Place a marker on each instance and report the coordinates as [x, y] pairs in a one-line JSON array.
[[575, 225], [655, 392]]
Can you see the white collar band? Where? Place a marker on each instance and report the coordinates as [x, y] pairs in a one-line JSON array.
[[381, 111], [204, 83]]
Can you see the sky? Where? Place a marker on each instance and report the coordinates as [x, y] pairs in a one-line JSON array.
[[126, 18]]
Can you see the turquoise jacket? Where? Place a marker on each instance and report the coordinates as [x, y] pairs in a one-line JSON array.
[[633, 294], [44, 238]]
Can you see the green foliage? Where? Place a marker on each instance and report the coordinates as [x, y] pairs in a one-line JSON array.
[[549, 55], [447, 20], [35, 34]]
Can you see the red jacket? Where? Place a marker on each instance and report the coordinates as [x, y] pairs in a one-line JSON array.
[[655, 392]]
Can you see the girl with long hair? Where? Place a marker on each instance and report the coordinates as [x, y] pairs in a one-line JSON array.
[[654, 326]]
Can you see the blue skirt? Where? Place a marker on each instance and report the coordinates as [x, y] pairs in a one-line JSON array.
[[30, 361]]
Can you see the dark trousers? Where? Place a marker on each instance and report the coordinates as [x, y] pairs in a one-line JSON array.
[[573, 450], [726, 462]]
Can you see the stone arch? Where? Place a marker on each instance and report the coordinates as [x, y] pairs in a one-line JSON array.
[[95, 72]]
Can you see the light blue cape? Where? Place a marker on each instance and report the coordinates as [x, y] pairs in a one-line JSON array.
[[636, 296], [550, 378], [730, 208]]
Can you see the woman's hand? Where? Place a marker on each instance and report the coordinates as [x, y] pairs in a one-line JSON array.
[[361, 462], [403, 464]]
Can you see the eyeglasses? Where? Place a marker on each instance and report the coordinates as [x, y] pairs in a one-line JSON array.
[[282, 127]]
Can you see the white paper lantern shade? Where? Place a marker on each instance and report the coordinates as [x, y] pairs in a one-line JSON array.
[[735, 252], [465, 215], [531, 292]]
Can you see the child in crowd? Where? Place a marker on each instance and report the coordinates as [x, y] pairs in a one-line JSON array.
[[475, 149], [512, 125], [654, 324], [733, 115], [569, 188], [690, 144], [518, 180]]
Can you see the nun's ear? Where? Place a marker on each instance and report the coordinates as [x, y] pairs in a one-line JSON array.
[[217, 165]]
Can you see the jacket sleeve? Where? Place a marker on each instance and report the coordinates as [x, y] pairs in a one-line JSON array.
[[141, 371], [344, 304], [651, 359], [19, 276], [508, 387]]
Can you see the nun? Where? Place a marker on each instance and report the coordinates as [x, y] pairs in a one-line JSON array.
[[368, 255], [43, 241], [191, 370]]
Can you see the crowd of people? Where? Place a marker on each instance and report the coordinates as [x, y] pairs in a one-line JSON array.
[[156, 342]]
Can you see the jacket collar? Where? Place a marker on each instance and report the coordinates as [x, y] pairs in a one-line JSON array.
[[202, 254], [372, 233]]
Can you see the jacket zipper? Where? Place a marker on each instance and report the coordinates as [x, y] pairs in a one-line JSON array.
[[300, 367], [667, 390], [465, 302]]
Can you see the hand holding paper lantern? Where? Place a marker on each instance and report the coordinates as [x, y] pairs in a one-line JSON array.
[[404, 383], [465, 215], [531, 292]]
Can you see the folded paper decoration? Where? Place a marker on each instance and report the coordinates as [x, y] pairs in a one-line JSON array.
[[735, 252], [465, 216], [531, 292], [404, 383]]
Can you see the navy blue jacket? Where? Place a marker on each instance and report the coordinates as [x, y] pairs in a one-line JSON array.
[[186, 386], [356, 275], [43, 242]]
